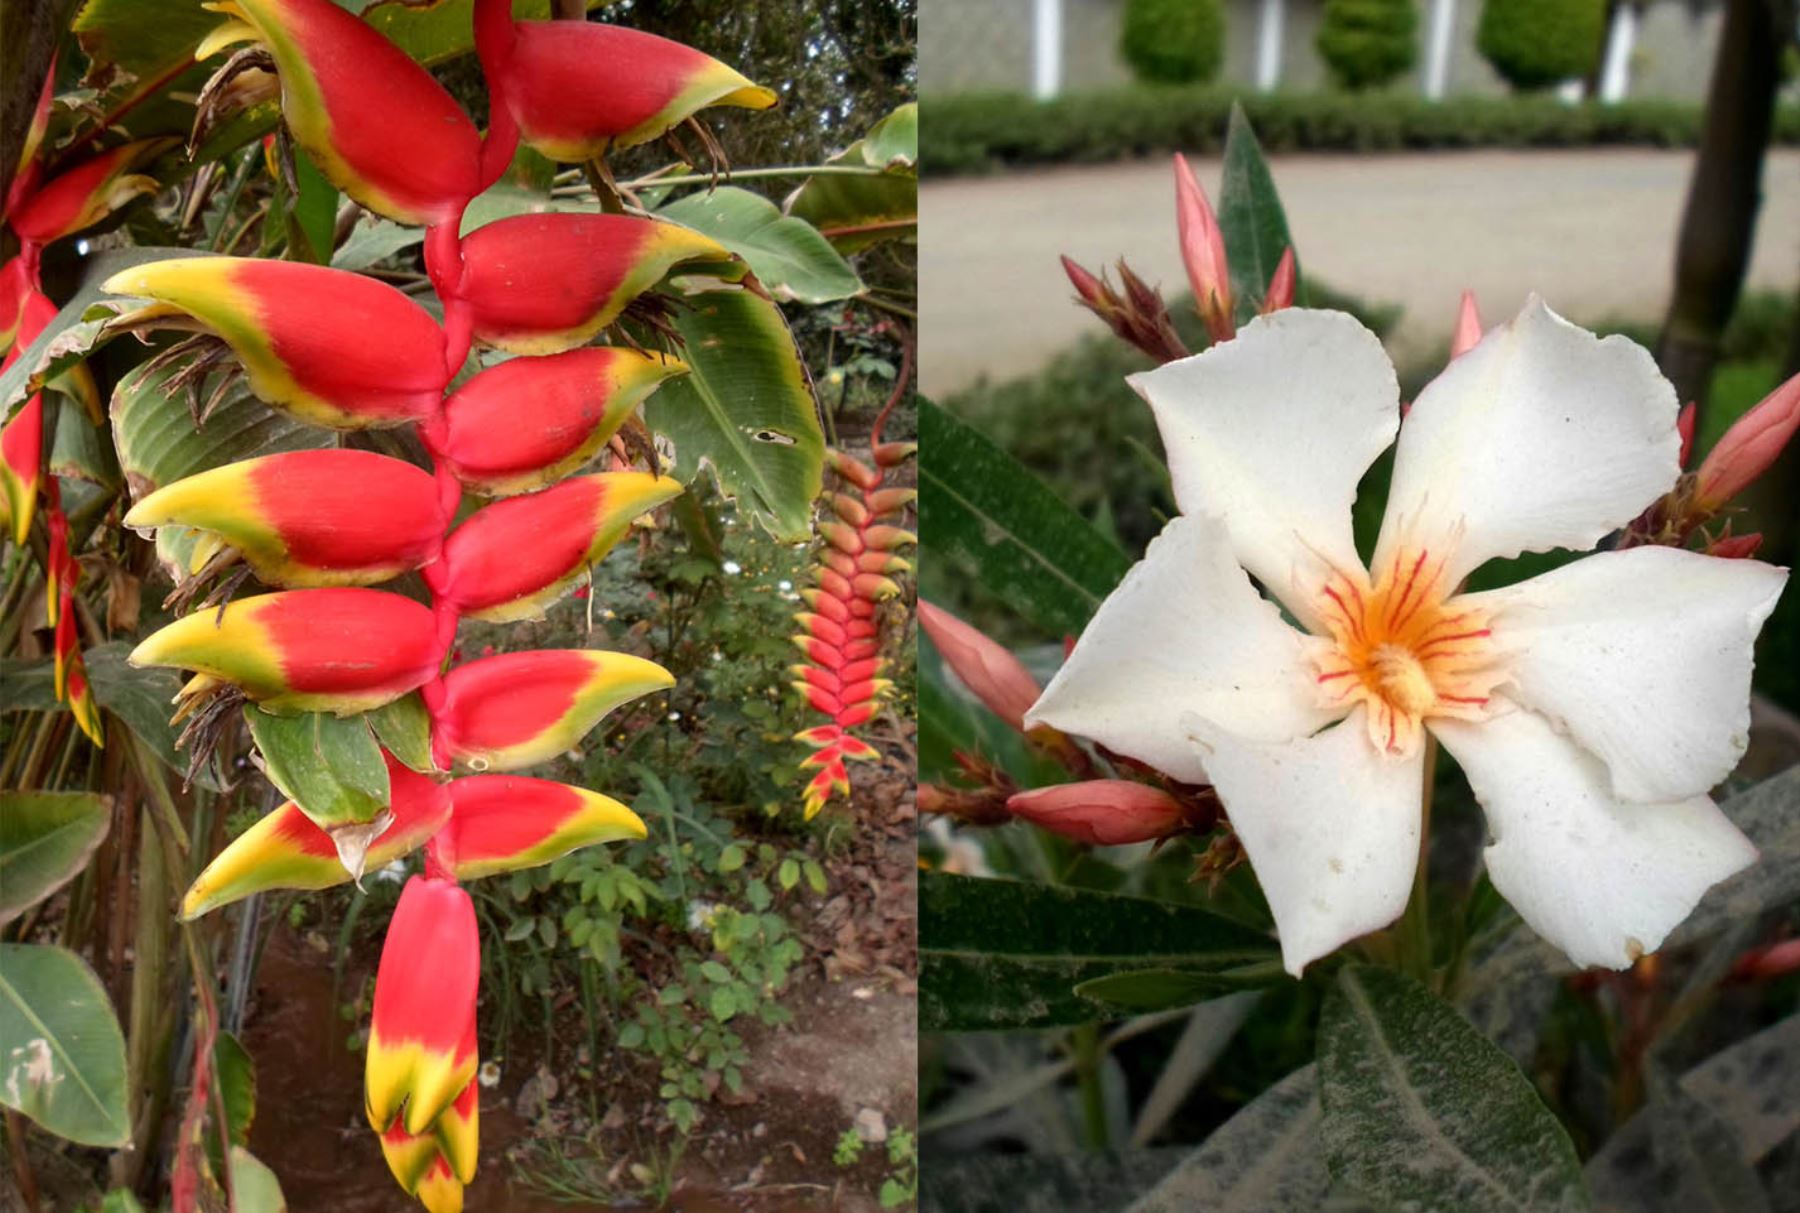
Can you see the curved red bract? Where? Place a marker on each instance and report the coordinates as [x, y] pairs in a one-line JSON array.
[[345, 509], [339, 641]]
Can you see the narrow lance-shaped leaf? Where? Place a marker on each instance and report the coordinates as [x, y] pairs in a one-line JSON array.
[[1250, 215], [1423, 1113], [1002, 954]]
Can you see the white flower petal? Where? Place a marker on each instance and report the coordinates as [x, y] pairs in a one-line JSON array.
[[1271, 431], [1602, 879], [1331, 827], [1184, 632], [1643, 657], [1543, 436]]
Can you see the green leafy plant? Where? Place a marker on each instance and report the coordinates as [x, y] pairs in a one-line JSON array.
[[1535, 44], [1173, 41], [1368, 43]]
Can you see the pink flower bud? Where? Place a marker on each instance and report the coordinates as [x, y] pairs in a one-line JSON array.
[[1203, 252], [1101, 812], [1735, 547], [994, 675], [1751, 444], [1684, 425], [1468, 327], [1281, 284], [1087, 287]]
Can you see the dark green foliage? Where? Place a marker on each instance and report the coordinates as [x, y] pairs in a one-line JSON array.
[[1174, 41], [1367, 43], [1538, 43], [986, 132]]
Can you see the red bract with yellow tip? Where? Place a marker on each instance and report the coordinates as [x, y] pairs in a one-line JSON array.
[[840, 634], [514, 557], [329, 346], [506, 822], [30, 168], [543, 72], [310, 518], [285, 850], [540, 284], [87, 193], [519, 709], [333, 650], [421, 1053], [528, 422], [21, 458], [375, 122]]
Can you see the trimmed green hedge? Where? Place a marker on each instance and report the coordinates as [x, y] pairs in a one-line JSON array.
[[986, 132]]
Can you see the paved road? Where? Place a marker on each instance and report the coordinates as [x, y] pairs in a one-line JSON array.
[[1593, 231]]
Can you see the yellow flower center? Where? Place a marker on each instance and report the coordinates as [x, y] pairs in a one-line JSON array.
[[1405, 648]]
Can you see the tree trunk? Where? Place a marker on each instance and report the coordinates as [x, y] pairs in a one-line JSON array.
[[1716, 228]]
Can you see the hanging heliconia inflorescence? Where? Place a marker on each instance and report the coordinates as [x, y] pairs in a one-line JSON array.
[[331, 348], [40, 212], [841, 631]]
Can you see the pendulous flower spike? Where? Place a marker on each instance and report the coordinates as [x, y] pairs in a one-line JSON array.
[[303, 332], [377, 124], [309, 518], [504, 823], [330, 650]]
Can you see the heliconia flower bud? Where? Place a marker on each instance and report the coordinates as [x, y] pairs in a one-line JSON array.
[[506, 822], [285, 850], [1753, 442], [1281, 283], [421, 1053], [511, 559], [992, 674], [377, 124], [544, 72], [528, 422], [87, 193], [1468, 327], [1101, 812], [890, 501], [886, 538], [540, 284], [80, 698], [854, 470], [1684, 426], [893, 454], [310, 518], [21, 461], [331, 347], [334, 650], [30, 168], [65, 644], [518, 709], [17, 284], [833, 778], [850, 509], [1203, 252], [436, 1166]]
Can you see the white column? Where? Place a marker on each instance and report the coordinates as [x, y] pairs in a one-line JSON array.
[[1046, 49], [1437, 50], [1268, 45], [1615, 72]]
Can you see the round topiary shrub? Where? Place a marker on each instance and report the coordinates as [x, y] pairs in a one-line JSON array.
[[1539, 43], [1174, 41], [1367, 43]]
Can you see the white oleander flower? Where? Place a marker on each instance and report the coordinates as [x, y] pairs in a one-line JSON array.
[[1592, 707]]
